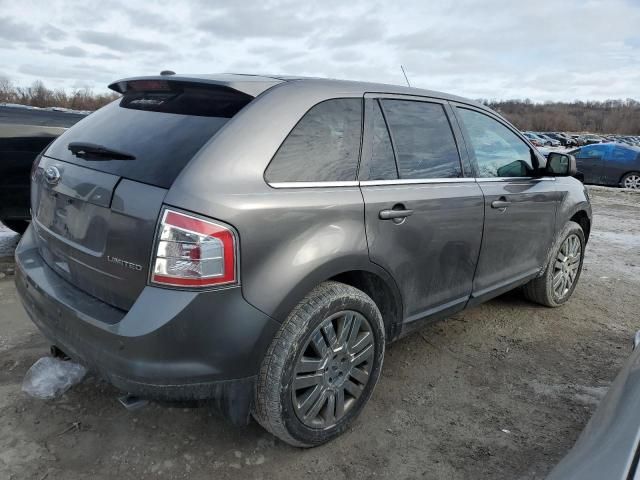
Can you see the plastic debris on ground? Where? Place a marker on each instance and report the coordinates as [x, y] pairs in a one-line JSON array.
[[50, 377]]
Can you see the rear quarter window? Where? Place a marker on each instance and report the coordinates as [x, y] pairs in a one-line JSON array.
[[323, 147]]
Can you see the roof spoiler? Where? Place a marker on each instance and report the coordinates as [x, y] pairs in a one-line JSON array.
[[252, 86]]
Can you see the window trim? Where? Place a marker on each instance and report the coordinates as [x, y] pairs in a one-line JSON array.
[[406, 181], [328, 183]]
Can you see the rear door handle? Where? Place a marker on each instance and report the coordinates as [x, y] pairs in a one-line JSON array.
[[501, 204], [394, 214]]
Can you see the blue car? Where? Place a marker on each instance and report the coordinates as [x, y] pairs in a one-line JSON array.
[[612, 164]]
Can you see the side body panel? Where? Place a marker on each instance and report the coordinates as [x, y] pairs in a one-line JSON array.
[[517, 238], [433, 253]]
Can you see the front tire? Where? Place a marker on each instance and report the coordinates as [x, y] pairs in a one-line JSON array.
[[561, 276], [322, 366]]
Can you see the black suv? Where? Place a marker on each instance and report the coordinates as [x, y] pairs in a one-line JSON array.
[[256, 241]]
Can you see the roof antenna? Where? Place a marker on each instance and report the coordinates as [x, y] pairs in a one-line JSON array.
[[405, 76]]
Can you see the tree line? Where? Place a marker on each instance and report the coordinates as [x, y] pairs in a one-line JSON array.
[[38, 95], [609, 116]]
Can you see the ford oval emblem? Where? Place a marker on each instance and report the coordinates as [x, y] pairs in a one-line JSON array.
[[52, 175]]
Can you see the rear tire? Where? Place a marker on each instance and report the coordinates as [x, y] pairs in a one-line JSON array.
[[561, 276], [321, 367], [18, 226], [631, 180]]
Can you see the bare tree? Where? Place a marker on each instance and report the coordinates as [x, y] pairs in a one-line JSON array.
[[609, 116], [38, 95]]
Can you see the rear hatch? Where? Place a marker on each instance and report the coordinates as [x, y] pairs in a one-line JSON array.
[[98, 189]]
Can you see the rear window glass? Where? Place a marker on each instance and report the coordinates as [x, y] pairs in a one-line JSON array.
[[323, 147], [424, 143], [162, 129]]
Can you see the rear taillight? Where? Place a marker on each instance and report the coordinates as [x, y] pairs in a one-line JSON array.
[[192, 252]]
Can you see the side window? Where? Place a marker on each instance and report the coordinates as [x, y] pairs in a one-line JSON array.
[[423, 140], [499, 152], [323, 147], [591, 151], [624, 154], [382, 165]]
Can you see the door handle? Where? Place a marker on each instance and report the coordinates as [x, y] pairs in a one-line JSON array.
[[501, 204], [394, 214]]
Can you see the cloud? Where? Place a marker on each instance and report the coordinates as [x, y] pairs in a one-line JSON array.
[[70, 51], [52, 32], [17, 31], [367, 30], [76, 72], [120, 43], [258, 21], [490, 48]]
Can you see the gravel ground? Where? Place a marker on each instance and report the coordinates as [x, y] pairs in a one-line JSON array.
[[500, 391]]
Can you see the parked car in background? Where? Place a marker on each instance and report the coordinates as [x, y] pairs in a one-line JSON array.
[[612, 164], [552, 142], [182, 258], [609, 447], [579, 139], [536, 140], [564, 140], [24, 133], [590, 139]]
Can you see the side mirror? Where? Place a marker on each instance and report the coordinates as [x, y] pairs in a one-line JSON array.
[[561, 165]]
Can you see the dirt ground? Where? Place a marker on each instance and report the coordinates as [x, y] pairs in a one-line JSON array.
[[500, 391]]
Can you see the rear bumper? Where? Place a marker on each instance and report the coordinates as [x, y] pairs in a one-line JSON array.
[[171, 345]]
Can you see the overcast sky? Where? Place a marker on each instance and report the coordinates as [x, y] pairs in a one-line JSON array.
[[543, 50]]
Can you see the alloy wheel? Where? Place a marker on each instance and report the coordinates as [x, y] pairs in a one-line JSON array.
[[566, 266], [333, 369], [632, 181]]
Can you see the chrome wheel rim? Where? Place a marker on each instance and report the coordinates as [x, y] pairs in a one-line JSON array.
[[333, 369], [566, 266], [632, 181]]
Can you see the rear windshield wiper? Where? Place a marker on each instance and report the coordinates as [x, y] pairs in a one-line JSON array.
[[92, 151]]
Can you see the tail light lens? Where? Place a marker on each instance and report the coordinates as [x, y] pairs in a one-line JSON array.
[[192, 252]]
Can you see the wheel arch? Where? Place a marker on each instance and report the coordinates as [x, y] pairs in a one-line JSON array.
[[582, 218], [372, 279], [386, 297]]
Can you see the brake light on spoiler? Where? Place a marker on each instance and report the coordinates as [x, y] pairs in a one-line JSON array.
[[191, 252]]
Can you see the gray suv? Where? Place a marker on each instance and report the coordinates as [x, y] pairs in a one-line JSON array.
[[256, 241]]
